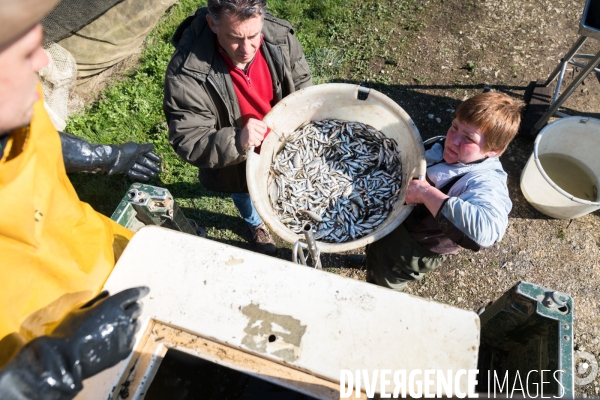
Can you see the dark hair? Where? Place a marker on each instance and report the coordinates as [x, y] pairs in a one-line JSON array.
[[241, 9], [497, 115]]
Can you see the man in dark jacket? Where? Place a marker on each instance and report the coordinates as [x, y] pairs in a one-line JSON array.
[[233, 62]]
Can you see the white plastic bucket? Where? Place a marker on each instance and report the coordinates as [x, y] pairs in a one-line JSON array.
[[345, 102], [574, 137]]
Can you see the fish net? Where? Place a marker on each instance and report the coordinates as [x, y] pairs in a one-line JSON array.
[[83, 38], [69, 16], [102, 33], [58, 78]]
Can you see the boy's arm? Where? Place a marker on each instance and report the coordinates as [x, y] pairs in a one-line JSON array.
[[420, 191], [477, 217]]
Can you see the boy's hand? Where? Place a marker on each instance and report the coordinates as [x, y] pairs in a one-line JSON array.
[[415, 191], [420, 191]]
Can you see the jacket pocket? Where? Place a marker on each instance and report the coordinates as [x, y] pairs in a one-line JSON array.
[[300, 69]]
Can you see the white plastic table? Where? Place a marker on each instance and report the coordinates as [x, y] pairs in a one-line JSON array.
[[286, 323]]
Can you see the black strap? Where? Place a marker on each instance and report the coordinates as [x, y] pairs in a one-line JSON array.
[[448, 185], [441, 140]]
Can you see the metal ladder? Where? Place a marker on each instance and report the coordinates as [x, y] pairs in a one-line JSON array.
[[589, 27]]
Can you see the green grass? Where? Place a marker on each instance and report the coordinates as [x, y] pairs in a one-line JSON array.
[[344, 40]]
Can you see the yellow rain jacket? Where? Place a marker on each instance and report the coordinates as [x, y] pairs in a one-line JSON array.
[[56, 252]]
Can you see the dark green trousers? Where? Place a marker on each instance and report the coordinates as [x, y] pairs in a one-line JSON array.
[[398, 258]]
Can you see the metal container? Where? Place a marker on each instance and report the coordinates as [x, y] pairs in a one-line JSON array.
[[526, 331], [345, 102]]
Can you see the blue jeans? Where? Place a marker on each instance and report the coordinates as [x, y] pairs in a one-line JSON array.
[[244, 205]]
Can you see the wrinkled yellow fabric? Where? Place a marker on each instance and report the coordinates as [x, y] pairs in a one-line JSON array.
[[56, 252]]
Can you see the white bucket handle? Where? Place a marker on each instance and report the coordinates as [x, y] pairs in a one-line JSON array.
[[550, 181]]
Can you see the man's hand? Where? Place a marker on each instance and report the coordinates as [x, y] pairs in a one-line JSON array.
[[421, 192], [253, 133], [89, 340], [100, 334], [134, 160]]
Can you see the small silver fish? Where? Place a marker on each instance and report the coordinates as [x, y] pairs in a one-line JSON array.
[[343, 176]]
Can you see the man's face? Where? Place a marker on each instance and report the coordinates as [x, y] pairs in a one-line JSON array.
[[239, 39], [19, 63], [465, 143]]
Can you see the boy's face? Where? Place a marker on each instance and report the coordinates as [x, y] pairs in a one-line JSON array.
[[465, 144]]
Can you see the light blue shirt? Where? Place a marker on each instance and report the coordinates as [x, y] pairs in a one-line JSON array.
[[479, 204]]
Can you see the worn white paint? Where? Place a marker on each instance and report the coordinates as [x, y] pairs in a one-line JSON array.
[[203, 287]]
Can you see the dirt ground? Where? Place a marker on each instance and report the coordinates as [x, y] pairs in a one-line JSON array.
[[505, 44]]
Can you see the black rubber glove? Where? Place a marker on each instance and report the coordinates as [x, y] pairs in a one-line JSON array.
[[90, 339], [135, 160]]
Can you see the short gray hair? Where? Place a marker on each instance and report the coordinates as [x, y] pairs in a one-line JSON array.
[[240, 9]]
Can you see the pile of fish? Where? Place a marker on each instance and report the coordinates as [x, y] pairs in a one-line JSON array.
[[342, 177]]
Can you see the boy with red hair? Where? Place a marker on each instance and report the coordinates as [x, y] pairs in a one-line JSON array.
[[464, 200]]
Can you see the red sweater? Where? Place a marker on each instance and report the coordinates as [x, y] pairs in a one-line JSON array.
[[253, 87]]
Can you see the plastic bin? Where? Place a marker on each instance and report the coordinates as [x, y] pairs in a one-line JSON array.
[[344, 102]]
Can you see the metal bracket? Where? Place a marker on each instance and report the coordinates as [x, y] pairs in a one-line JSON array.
[[298, 256], [151, 205], [552, 300]]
